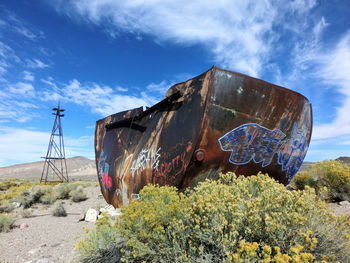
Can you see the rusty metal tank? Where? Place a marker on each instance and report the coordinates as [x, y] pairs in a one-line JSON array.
[[219, 121]]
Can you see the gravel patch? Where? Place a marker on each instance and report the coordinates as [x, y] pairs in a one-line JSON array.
[[48, 238]]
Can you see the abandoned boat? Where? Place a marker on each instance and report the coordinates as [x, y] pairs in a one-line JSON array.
[[217, 122]]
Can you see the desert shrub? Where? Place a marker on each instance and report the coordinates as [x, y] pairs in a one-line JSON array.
[[26, 213], [24, 198], [36, 193], [7, 184], [62, 190], [252, 219], [59, 210], [48, 198], [6, 206], [15, 189], [6, 222], [303, 179], [78, 194], [101, 243], [334, 175]]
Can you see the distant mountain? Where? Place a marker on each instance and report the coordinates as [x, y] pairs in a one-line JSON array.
[[305, 166], [79, 167], [344, 159], [76, 166]]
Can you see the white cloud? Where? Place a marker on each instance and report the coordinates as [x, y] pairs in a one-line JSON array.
[[24, 145], [15, 102], [118, 88], [160, 87], [36, 63], [12, 22], [7, 56], [21, 88], [17, 111], [28, 76], [20, 145], [240, 34], [335, 71], [101, 99]]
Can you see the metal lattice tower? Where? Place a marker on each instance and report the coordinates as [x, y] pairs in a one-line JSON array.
[[55, 157]]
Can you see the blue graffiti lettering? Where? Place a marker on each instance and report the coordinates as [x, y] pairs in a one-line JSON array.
[[251, 142], [292, 153], [254, 142]]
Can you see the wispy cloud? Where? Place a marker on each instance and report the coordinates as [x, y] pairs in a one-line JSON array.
[[240, 34], [118, 88], [22, 88], [335, 72], [36, 63], [16, 102], [20, 145], [11, 22], [160, 87], [25, 145], [7, 56], [102, 100], [28, 76]]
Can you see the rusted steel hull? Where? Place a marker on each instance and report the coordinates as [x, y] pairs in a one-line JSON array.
[[217, 122]]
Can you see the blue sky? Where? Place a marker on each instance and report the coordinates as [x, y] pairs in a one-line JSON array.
[[100, 57]]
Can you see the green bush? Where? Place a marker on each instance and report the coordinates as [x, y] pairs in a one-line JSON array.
[[36, 193], [252, 219], [6, 206], [6, 222], [24, 198], [48, 198], [101, 244], [334, 175], [59, 210], [62, 190], [78, 194], [26, 213]]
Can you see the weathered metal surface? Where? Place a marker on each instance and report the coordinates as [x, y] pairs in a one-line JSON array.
[[217, 122]]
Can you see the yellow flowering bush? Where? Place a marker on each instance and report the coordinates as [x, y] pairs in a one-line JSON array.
[[253, 219], [334, 175]]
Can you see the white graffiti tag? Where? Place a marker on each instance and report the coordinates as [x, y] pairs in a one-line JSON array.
[[146, 159]]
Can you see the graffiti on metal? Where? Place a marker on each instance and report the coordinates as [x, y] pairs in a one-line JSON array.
[[175, 165], [292, 153], [254, 142], [103, 171], [146, 159]]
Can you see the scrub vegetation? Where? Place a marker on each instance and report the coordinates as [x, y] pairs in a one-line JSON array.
[[15, 192], [330, 179], [234, 219]]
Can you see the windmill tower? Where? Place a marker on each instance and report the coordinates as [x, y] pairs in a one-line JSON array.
[[55, 160]]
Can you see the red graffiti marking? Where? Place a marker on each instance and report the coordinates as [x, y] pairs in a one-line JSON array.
[[170, 170], [189, 147], [107, 180]]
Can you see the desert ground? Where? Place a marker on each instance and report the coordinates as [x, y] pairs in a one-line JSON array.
[[47, 238]]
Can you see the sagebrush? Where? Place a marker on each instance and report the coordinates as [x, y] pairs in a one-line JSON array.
[[78, 194], [330, 179], [252, 219], [6, 222], [59, 210]]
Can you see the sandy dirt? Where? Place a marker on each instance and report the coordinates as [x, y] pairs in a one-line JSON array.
[[48, 238]]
